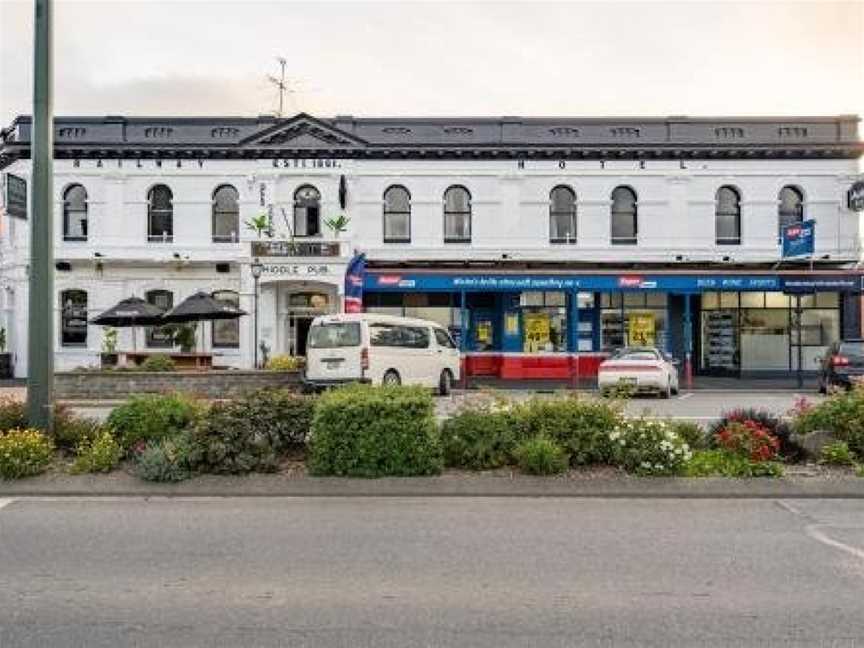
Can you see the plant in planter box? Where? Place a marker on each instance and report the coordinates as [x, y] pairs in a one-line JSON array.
[[184, 336], [748, 439], [109, 347], [649, 447], [5, 358], [24, 452], [338, 224]]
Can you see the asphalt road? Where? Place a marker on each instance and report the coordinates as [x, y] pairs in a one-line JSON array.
[[431, 572]]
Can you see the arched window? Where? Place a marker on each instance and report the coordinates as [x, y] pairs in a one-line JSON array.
[[457, 215], [397, 215], [226, 214], [226, 333], [160, 215], [160, 336], [307, 211], [790, 210], [624, 217], [73, 318], [562, 215], [727, 220], [75, 213]]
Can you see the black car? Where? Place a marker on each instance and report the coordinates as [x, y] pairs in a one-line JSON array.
[[842, 365]]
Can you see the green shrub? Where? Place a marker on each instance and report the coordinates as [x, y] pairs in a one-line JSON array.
[[774, 425], [479, 437], [692, 433], [284, 363], [841, 414], [723, 463], [99, 454], [837, 454], [250, 433], [164, 460], [649, 447], [158, 362], [152, 417], [580, 426], [71, 430], [24, 452], [12, 415], [365, 431], [541, 456]]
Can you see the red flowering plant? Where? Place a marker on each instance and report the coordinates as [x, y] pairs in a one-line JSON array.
[[750, 439]]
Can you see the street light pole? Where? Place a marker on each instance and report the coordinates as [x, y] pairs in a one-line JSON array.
[[256, 267], [40, 343]]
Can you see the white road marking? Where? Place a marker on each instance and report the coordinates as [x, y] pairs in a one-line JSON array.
[[683, 396], [5, 502], [815, 532]]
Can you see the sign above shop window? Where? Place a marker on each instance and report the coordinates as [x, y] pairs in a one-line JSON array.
[[799, 239]]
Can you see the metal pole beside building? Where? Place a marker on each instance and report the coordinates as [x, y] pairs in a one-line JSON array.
[[40, 343]]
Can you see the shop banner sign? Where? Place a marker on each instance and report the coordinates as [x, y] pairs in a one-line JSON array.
[[798, 239], [16, 196], [354, 284], [805, 285]]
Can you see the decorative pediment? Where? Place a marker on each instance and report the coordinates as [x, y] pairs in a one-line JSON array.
[[303, 131]]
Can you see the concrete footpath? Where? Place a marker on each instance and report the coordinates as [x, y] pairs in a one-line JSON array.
[[580, 485]]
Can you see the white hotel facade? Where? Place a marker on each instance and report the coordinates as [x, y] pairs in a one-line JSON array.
[[536, 241]]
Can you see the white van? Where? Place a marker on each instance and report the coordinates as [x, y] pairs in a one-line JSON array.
[[380, 349]]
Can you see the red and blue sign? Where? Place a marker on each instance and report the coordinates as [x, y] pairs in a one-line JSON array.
[[354, 276], [799, 239]]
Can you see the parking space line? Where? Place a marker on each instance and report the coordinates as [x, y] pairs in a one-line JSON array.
[[683, 396], [5, 502], [815, 532]]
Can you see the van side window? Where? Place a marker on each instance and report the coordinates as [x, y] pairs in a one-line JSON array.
[[443, 338], [394, 335]]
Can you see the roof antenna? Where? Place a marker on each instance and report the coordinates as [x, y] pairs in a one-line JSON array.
[[281, 84]]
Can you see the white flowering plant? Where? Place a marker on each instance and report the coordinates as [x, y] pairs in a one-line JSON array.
[[649, 447]]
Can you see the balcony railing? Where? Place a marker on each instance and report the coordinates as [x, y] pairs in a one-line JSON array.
[[296, 249]]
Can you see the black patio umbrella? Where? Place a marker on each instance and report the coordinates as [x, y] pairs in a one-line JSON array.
[[130, 312], [201, 307]]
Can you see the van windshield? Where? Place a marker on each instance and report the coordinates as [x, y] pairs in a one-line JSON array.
[[332, 336]]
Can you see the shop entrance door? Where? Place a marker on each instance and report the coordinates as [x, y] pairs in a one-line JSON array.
[[300, 327]]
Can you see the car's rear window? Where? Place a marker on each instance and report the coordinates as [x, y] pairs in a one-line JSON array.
[[636, 355], [852, 348], [334, 335]]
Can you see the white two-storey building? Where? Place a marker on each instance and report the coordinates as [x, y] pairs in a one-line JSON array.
[[536, 241]]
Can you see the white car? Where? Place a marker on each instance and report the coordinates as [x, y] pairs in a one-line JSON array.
[[643, 369], [380, 349]]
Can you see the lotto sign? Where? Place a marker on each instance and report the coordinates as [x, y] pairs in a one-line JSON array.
[[642, 329], [798, 239]]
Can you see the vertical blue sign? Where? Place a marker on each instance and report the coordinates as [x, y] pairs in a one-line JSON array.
[[798, 239]]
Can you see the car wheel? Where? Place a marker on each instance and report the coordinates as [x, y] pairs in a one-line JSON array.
[[445, 383], [675, 390], [667, 392], [391, 378]]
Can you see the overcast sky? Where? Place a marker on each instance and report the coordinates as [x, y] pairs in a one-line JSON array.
[[210, 57]]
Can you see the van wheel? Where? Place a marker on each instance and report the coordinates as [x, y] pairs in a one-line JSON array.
[[391, 378], [445, 383]]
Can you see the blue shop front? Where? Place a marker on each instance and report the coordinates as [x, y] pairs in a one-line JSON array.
[[557, 325]]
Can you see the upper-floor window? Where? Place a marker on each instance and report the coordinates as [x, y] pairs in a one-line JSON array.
[[226, 332], [160, 215], [790, 210], [75, 213], [727, 218], [457, 215], [226, 214], [397, 215], [160, 336], [562, 215], [73, 318], [624, 216], [307, 211]]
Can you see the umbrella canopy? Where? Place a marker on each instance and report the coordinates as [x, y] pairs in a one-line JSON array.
[[201, 306], [132, 311]]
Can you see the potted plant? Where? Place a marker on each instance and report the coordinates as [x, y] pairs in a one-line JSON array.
[[338, 224], [184, 337], [109, 355], [5, 358]]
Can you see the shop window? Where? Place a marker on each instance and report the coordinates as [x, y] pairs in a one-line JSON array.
[[710, 300], [544, 321], [634, 299], [307, 211], [75, 213], [790, 210], [776, 300], [727, 218], [624, 217], [656, 300], [160, 215], [226, 214], [313, 300], [457, 215], [639, 321], [827, 300], [562, 215], [73, 318], [225, 334], [397, 215], [729, 300], [160, 336], [752, 300]]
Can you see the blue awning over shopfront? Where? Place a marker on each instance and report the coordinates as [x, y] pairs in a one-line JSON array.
[[389, 281]]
